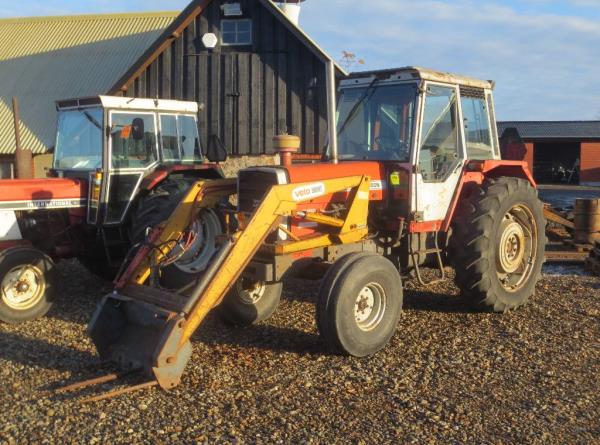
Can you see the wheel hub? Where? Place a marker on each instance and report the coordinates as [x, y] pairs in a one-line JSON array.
[[250, 293], [206, 229], [512, 246], [23, 287], [370, 306]]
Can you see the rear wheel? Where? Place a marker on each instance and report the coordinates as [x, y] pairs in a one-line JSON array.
[[155, 208], [250, 302], [360, 304], [498, 244], [26, 285]]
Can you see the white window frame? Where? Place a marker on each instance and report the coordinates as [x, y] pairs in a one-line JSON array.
[[236, 21]]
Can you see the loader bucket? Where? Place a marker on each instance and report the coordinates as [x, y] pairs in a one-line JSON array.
[[137, 335]]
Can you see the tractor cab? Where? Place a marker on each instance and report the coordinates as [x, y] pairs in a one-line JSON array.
[[114, 143], [423, 125]]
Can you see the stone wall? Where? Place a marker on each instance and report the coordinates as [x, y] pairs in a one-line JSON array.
[[234, 164]]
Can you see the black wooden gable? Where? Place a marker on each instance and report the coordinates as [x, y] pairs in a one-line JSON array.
[[250, 92]]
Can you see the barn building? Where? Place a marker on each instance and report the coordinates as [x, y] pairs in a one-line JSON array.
[[250, 66], [557, 152]]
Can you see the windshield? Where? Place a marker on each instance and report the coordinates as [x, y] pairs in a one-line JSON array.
[[376, 122], [79, 139]]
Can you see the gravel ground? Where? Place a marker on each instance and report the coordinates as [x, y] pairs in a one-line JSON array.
[[448, 376]]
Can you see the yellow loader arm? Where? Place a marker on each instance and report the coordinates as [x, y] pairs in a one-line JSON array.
[[145, 328]]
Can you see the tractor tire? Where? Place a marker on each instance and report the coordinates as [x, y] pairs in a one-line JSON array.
[[155, 208], [27, 280], [360, 304], [99, 267], [248, 303], [327, 283], [498, 243]]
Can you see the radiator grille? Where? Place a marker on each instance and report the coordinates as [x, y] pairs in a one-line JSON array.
[[254, 184]]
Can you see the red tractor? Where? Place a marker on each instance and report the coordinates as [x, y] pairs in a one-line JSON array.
[[440, 194], [121, 166]]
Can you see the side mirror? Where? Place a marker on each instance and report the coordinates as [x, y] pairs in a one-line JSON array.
[[137, 128], [216, 151]]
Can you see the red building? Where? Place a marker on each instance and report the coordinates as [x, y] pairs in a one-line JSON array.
[[557, 152]]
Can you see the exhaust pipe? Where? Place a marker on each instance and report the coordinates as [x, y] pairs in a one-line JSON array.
[[331, 112]]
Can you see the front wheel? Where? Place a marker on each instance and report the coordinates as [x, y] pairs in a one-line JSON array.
[[26, 285], [360, 304], [498, 244], [250, 302]]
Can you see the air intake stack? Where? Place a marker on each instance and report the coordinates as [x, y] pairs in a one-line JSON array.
[[291, 8]]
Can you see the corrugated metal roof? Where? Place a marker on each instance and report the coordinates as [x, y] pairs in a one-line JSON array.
[[44, 59], [583, 130]]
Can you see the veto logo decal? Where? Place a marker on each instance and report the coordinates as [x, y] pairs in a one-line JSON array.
[[307, 192]]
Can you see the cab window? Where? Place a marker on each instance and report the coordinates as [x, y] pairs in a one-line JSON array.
[[376, 122], [179, 138], [188, 136], [79, 139], [440, 136], [133, 138], [168, 138], [477, 125]]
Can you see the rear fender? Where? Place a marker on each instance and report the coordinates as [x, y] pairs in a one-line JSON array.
[[8, 245], [476, 172], [496, 169]]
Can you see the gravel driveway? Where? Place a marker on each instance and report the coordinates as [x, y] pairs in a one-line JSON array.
[[448, 376]]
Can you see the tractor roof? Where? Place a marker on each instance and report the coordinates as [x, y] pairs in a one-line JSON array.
[[417, 73], [127, 103]]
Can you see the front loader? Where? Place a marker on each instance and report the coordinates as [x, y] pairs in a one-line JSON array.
[[412, 178]]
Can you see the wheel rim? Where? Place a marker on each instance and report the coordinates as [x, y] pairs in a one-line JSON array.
[[206, 230], [250, 292], [370, 306], [23, 287], [517, 249]]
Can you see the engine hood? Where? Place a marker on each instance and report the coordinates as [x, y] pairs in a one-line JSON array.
[[47, 193], [315, 172]]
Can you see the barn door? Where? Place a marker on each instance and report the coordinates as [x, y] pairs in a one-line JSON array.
[[218, 92]]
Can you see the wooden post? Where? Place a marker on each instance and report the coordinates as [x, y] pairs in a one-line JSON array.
[[23, 158]]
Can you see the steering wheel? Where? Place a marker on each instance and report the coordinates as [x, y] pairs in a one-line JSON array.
[[359, 150], [395, 146]]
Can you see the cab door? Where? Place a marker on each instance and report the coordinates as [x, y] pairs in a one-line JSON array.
[[133, 152], [440, 154]]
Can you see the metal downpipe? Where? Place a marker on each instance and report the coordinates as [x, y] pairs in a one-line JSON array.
[[331, 111]]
